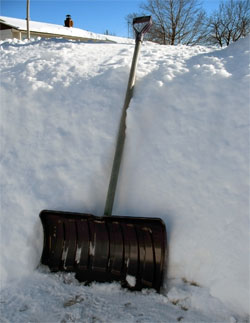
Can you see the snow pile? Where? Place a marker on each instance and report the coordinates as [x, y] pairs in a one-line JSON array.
[[190, 165], [186, 160]]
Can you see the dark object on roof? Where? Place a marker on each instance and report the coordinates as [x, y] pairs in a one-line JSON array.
[[68, 22]]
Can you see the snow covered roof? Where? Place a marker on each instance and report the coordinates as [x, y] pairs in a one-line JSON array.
[[61, 31]]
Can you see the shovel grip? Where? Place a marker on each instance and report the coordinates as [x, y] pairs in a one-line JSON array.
[[141, 26]]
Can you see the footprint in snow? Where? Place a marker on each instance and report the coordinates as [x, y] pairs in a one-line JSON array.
[[76, 300]]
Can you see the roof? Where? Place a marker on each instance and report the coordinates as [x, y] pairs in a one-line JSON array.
[[42, 27]]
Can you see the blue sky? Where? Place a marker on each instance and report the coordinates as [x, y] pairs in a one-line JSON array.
[[93, 15]]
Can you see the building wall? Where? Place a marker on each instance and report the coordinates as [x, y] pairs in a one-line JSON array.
[[5, 34]]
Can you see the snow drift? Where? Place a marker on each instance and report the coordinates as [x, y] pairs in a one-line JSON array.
[[186, 157]]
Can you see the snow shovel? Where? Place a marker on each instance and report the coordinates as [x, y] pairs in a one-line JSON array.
[[108, 248]]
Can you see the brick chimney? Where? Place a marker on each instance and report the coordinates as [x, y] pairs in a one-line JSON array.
[[68, 22]]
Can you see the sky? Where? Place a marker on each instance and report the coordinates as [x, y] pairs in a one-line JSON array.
[[93, 15]]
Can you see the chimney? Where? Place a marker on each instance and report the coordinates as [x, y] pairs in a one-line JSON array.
[[68, 22]]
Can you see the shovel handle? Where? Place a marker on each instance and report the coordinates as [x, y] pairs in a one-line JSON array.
[[141, 26]]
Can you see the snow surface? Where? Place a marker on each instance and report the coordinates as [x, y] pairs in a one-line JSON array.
[[186, 160]]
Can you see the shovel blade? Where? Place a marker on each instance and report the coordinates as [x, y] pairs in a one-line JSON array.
[[104, 249]]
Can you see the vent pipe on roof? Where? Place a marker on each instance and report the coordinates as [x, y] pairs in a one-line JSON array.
[[68, 22]]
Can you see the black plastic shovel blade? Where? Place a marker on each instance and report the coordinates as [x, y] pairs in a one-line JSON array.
[[105, 249]]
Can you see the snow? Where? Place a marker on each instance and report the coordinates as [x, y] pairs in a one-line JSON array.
[[186, 160], [59, 298], [131, 280]]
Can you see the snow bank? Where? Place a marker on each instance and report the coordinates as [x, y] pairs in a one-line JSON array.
[[188, 162], [186, 157]]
